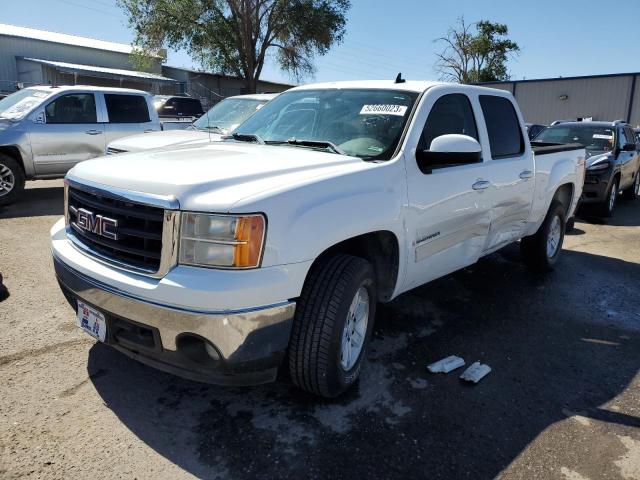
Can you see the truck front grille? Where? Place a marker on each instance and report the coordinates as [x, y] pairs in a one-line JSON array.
[[126, 233]]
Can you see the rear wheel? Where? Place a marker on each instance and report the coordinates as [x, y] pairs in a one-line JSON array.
[[633, 191], [11, 180], [541, 250], [332, 326]]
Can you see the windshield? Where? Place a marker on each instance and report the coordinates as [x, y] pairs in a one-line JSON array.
[[18, 104], [362, 123], [228, 114], [596, 139]]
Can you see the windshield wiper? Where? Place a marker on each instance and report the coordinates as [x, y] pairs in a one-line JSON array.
[[214, 128], [312, 144], [245, 137]]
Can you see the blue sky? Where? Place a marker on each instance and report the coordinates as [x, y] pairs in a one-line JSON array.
[[558, 38]]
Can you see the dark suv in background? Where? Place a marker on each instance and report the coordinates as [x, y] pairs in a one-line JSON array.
[[613, 160], [177, 112]]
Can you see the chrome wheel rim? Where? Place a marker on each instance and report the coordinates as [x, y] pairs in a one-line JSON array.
[[612, 196], [355, 329], [553, 239], [7, 180], [636, 186]]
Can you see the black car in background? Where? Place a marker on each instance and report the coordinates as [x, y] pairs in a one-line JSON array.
[[613, 160], [533, 129], [177, 112]]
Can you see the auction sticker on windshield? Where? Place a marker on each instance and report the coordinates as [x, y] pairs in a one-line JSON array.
[[399, 110], [91, 321]]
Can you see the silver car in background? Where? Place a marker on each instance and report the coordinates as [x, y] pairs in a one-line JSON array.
[[45, 130]]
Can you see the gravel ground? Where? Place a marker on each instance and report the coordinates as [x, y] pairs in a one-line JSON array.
[[562, 401]]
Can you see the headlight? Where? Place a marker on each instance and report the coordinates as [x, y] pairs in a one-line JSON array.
[[599, 166], [226, 241]]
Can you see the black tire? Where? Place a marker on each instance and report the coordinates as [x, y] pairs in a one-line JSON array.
[[321, 313], [606, 208], [533, 249], [633, 191], [10, 169]]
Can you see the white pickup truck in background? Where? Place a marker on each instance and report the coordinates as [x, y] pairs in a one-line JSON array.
[[210, 127], [218, 262]]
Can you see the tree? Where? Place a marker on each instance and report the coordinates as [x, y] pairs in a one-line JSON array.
[[235, 36], [482, 56]]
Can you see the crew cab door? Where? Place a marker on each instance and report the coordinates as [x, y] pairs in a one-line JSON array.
[[510, 169], [448, 215], [66, 131], [127, 114]]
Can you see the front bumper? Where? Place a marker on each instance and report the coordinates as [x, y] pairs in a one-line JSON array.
[[250, 343], [595, 187]]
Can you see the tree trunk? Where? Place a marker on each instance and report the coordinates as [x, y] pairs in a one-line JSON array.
[[251, 84]]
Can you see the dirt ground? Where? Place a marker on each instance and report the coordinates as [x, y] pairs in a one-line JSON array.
[[562, 401]]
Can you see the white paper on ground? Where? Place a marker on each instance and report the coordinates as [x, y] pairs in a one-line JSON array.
[[446, 364], [475, 372]]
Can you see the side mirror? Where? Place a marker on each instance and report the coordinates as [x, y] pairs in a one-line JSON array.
[[40, 117], [449, 150], [629, 147]]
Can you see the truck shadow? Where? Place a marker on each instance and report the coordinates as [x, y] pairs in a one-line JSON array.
[[36, 202], [552, 347], [625, 215]]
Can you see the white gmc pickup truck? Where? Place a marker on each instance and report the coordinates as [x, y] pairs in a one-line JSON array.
[[219, 262]]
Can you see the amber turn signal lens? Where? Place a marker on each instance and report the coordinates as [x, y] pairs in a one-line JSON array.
[[249, 235]]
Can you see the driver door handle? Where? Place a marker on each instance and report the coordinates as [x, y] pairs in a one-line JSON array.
[[526, 175], [93, 132], [481, 185]]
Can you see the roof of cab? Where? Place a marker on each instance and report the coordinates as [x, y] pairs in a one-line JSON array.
[[409, 85], [257, 96], [88, 88]]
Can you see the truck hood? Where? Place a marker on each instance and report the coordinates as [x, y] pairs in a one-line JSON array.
[[214, 177], [147, 141]]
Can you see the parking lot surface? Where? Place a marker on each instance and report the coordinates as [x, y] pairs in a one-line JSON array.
[[562, 401]]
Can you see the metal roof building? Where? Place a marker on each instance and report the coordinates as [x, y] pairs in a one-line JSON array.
[[598, 97], [30, 56]]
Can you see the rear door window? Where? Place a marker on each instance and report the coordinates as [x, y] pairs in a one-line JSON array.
[[503, 127], [72, 108], [126, 108]]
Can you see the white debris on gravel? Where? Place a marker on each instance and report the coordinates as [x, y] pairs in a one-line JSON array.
[[476, 372], [446, 365]]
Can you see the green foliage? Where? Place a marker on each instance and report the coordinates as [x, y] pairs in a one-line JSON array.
[[234, 36], [476, 57]]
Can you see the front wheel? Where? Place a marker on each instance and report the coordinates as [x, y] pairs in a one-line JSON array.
[[608, 206], [11, 180], [541, 250], [332, 325], [633, 191]]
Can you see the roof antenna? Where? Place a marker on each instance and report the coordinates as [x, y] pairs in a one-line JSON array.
[[399, 78]]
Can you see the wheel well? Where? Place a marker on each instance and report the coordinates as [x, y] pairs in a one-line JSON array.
[[381, 250], [564, 194], [14, 153]]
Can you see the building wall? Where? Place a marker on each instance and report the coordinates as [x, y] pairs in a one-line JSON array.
[[12, 47], [602, 98], [210, 88]]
